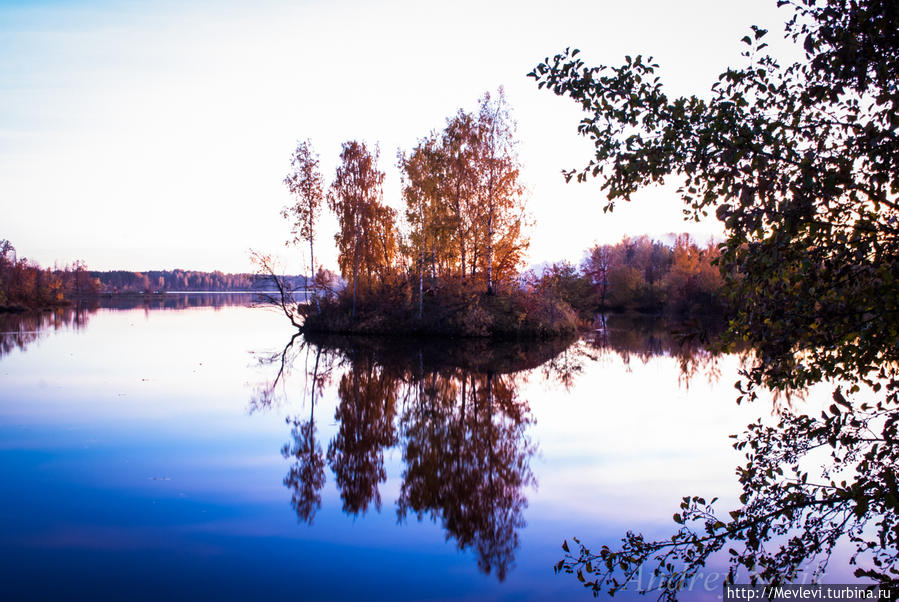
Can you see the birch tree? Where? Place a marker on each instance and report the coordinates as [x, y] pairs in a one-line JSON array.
[[365, 239], [304, 181], [499, 192]]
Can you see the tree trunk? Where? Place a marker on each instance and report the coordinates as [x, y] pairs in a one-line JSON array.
[[318, 354], [490, 248], [312, 267], [457, 205], [421, 260], [355, 264]]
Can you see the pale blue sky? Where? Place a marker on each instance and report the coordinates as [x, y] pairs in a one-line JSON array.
[[150, 135]]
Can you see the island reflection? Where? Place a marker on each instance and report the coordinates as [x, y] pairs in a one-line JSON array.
[[455, 411]]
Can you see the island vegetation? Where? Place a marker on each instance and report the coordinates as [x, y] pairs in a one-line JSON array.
[[680, 278], [801, 164], [451, 263]]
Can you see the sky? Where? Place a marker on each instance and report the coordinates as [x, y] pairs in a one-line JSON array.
[[156, 135]]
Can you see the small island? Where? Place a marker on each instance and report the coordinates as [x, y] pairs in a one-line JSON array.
[[450, 264]]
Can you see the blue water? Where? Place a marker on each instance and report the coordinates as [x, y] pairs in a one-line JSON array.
[[135, 465]]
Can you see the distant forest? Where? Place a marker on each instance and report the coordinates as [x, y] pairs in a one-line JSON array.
[[121, 281], [26, 285], [639, 274]]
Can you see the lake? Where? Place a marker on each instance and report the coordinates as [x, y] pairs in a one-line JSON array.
[[185, 447]]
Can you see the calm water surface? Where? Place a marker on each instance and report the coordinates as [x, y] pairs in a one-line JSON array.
[[176, 449]]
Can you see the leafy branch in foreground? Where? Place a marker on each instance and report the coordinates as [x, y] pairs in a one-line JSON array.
[[787, 520], [801, 164]]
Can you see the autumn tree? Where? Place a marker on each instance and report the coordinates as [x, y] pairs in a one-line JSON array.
[[649, 274], [421, 171], [304, 182], [565, 282], [366, 241], [463, 196], [7, 269], [692, 277], [499, 193], [459, 179], [24, 284], [597, 266]]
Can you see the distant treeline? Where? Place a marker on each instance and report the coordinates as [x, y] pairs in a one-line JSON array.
[[638, 274], [26, 285], [121, 281]]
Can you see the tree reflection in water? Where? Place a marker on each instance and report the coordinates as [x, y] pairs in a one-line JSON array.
[[643, 337], [467, 461], [455, 412], [812, 479], [307, 474], [366, 418]]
